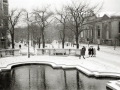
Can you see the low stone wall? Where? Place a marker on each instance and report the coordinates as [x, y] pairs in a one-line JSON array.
[[9, 52], [74, 52], [113, 85]]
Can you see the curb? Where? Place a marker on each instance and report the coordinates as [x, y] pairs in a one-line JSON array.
[[63, 66]]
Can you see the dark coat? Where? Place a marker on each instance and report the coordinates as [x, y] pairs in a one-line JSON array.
[[83, 51], [19, 46], [92, 51], [89, 51]]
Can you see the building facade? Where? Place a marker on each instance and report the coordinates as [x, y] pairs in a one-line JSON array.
[[3, 23], [101, 30]]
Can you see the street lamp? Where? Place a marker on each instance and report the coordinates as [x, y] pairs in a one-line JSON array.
[[28, 35], [98, 48]]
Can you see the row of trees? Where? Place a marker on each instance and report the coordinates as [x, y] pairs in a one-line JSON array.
[[70, 19]]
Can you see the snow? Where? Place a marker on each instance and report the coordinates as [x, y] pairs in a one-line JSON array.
[[100, 65], [106, 62]]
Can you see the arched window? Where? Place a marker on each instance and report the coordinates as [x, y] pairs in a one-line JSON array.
[[98, 32], [107, 31]]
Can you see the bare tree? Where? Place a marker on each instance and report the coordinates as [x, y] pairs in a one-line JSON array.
[[77, 14], [13, 19], [34, 32], [42, 17], [62, 18]]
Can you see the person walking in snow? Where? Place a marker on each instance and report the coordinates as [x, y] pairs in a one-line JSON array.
[[20, 46], [83, 51], [89, 51], [94, 50]]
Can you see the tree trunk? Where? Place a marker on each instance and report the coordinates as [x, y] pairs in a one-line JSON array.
[[63, 43], [63, 40], [43, 42], [77, 43], [12, 37], [39, 42], [77, 35], [43, 39]]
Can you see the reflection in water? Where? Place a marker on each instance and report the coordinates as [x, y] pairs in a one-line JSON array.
[[4, 79], [44, 77]]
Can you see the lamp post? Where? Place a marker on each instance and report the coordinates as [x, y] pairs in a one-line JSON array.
[[28, 35], [98, 48]]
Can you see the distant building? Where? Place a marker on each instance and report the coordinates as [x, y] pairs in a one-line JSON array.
[[55, 42], [3, 24], [101, 30]]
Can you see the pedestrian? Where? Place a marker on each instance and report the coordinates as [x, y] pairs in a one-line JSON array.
[[20, 46], [94, 50], [34, 48], [88, 43], [89, 51], [83, 51], [98, 48]]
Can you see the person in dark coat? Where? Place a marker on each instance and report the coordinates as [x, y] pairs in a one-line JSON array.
[[89, 51], [92, 51], [20, 46], [83, 51]]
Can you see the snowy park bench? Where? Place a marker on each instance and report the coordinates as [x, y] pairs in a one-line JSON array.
[[60, 51]]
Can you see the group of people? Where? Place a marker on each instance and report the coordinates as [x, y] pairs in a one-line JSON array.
[[91, 52]]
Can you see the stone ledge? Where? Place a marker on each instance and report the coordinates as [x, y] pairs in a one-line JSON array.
[[113, 85], [63, 66]]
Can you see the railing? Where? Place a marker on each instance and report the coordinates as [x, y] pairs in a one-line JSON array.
[[9, 52], [74, 52]]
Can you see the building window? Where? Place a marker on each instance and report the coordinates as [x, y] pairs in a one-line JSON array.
[[107, 34], [119, 27], [81, 34], [98, 29], [5, 1]]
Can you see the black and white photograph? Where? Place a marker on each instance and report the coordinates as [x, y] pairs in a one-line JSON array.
[[59, 44]]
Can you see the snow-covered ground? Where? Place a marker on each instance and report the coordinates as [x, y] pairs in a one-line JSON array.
[[106, 62]]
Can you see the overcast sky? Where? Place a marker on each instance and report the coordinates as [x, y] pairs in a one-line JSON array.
[[112, 6]]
